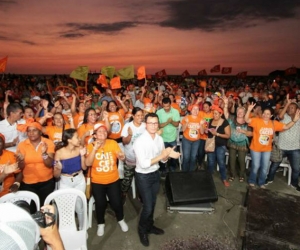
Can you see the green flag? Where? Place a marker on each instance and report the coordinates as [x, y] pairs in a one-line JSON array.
[[80, 73], [108, 71], [126, 73]]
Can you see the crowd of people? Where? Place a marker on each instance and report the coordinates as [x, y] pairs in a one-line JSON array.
[[50, 137]]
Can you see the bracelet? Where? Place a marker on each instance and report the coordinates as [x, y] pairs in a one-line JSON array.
[[294, 121], [45, 156], [218, 134], [17, 183]]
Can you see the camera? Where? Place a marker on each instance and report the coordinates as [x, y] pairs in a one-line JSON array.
[[39, 218]]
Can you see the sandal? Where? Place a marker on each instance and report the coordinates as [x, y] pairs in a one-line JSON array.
[[242, 179], [231, 178]]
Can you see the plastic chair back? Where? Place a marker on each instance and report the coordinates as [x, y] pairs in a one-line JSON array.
[[65, 200]]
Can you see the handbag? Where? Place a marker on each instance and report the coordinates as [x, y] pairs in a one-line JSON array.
[[210, 143], [276, 153], [88, 188]]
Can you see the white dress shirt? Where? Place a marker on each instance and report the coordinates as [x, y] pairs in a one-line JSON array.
[[146, 148]]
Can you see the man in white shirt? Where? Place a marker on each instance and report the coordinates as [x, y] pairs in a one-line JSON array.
[[8, 126], [149, 150]]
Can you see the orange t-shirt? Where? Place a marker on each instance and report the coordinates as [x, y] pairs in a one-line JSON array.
[[87, 127], [207, 117], [116, 120], [78, 119], [35, 170], [192, 131], [104, 167], [176, 106], [263, 134], [7, 157], [55, 133]]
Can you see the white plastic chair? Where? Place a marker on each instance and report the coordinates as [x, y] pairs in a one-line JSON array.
[[286, 167], [21, 195], [65, 200]]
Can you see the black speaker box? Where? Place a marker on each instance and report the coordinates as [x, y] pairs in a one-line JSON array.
[[184, 188]]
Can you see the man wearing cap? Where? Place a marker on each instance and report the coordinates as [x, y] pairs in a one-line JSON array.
[[169, 119], [289, 143], [149, 149], [8, 126]]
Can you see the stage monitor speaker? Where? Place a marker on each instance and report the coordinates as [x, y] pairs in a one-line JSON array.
[[190, 188]]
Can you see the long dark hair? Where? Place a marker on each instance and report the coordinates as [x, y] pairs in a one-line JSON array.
[[134, 111], [67, 135], [86, 114]]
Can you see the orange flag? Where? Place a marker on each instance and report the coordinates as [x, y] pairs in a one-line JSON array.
[[141, 73], [3, 63], [102, 80], [115, 83]]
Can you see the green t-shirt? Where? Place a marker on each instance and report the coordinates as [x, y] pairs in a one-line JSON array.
[[169, 132]]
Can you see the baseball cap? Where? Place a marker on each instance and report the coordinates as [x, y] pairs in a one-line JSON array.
[[99, 125]]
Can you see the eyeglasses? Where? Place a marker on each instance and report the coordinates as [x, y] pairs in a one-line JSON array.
[[153, 123]]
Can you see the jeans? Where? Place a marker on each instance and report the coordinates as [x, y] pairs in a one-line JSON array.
[[113, 192], [171, 161], [189, 151], [294, 159], [201, 151], [241, 155], [259, 167], [148, 187], [218, 155]]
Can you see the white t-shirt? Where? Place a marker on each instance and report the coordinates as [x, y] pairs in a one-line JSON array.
[[128, 148]]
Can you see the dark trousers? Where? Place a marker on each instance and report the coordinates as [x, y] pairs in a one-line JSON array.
[[113, 192], [128, 176], [42, 189], [171, 162], [148, 187]]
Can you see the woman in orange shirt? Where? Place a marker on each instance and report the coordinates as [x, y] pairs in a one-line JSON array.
[[86, 130], [8, 169], [261, 145], [102, 156], [37, 153], [56, 130], [190, 141]]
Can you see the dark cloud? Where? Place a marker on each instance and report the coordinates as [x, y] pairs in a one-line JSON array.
[[225, 15], [72, 35], [81, 29], [28, 42]]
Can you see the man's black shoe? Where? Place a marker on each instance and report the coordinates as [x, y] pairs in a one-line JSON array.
[[296, 187], [156, 230], [144, 239]]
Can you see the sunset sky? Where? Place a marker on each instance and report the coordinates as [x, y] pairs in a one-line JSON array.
[[45, 37]]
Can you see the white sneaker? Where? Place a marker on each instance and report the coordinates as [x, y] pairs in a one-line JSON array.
[[100, 231], [123, 225]]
